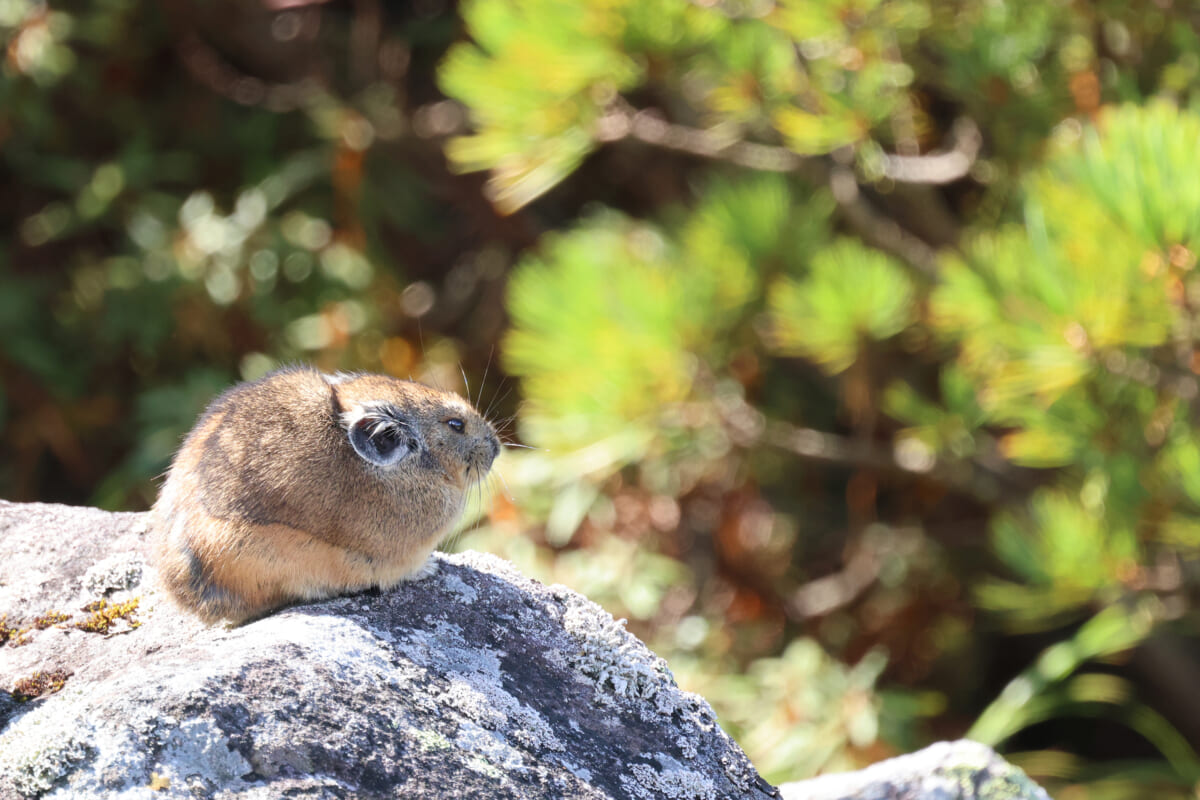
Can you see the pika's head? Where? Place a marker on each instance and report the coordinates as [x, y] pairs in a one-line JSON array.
[[398, 427]]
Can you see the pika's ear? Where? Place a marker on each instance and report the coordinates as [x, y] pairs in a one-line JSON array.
[[381, 435]]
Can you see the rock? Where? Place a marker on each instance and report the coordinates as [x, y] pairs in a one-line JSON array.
[[474, 682], [961, 770]]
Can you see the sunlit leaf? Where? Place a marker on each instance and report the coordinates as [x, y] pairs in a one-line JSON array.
[[851, 293], [535, 83]]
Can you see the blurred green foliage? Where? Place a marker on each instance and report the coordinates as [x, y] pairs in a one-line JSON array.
[[850, 294], [852, 343]]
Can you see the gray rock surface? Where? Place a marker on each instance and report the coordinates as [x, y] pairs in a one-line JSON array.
[[475, 682], [962, 770]]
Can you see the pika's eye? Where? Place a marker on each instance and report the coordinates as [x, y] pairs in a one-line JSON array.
[[456, 424]]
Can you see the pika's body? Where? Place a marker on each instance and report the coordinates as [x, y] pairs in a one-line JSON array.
[[303, 485]]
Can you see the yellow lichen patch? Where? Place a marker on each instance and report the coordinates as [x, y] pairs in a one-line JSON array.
[[49, 618], [38, 684], [14, 637], [104, 615], [159, 782]]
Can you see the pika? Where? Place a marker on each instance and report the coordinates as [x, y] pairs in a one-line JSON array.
[[302, 485]]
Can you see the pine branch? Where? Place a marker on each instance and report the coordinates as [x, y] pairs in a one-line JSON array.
[[624, 122], [830, 448]]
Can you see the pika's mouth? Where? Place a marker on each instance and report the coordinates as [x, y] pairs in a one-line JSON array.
[[475, 473], [474, 467]]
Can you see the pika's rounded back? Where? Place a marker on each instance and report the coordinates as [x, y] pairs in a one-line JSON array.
[[303, 485]]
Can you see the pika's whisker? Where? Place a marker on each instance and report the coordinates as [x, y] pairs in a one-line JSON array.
[[507, 492], [482, 382], [498, 399]]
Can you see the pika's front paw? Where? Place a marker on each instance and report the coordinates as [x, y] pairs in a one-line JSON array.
[[426, 570]]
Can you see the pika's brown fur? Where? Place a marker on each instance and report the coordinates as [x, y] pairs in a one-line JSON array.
[[302, 485]]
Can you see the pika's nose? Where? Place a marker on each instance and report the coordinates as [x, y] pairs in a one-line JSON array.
[[493, 448]]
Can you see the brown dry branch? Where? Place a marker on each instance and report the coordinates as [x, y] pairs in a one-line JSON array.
[[828, 593], [945, 166]]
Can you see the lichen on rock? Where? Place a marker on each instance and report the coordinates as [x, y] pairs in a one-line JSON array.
[[609, 654], [42, 753], [670, 781], [116, 573]]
